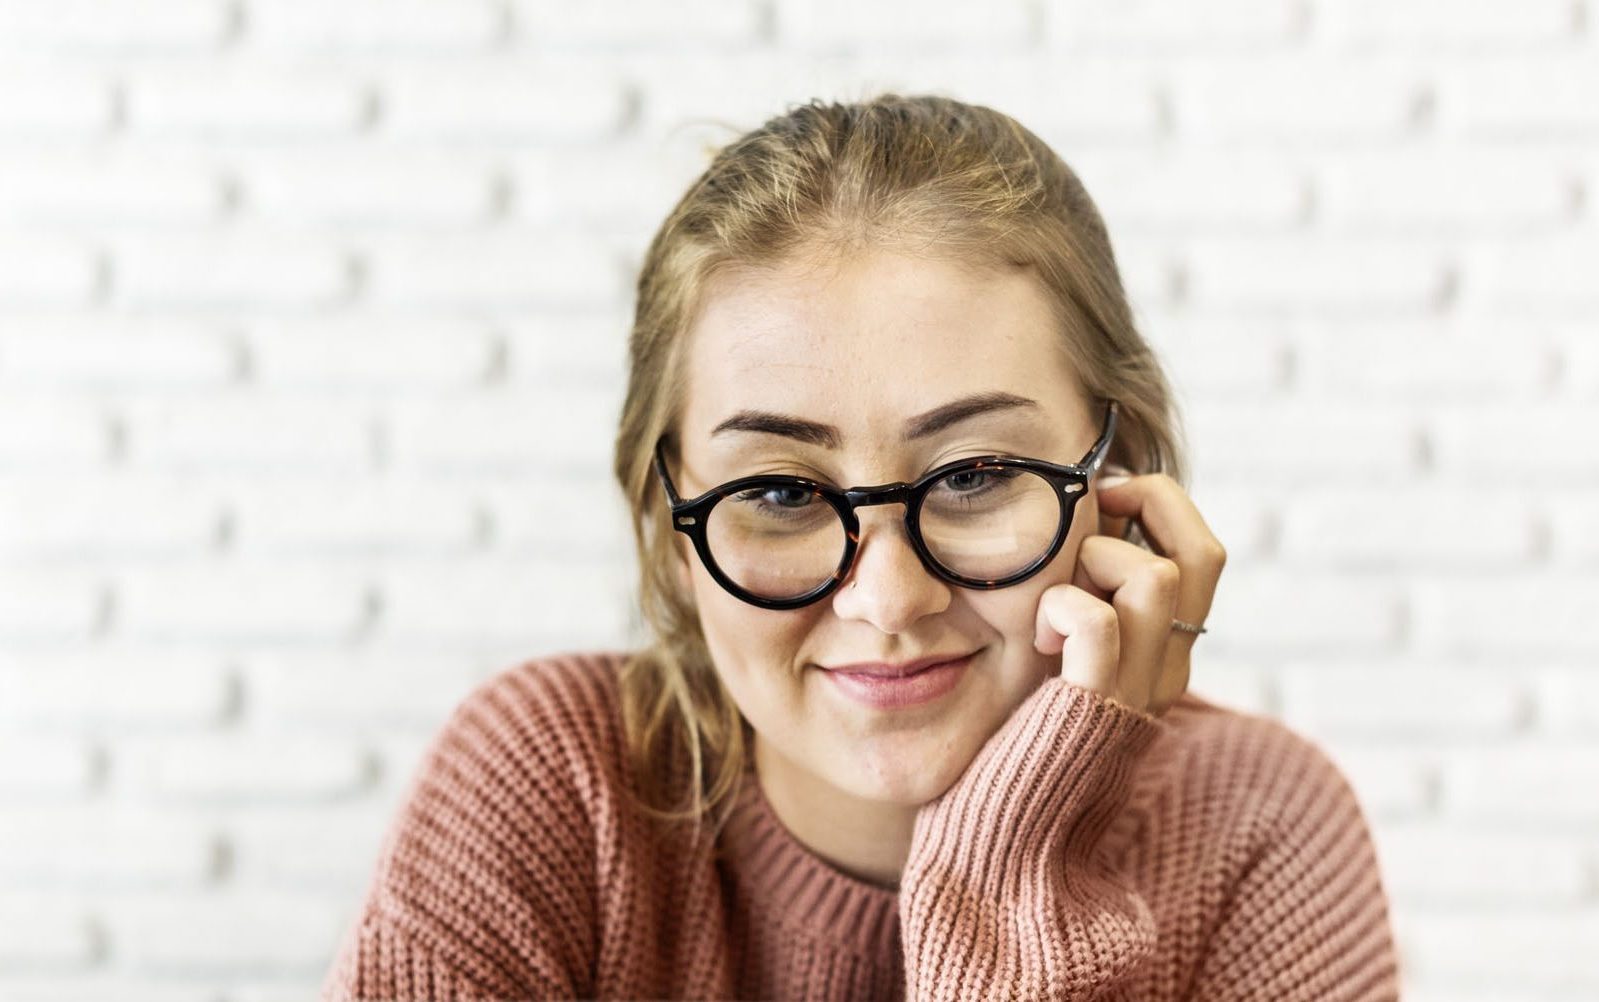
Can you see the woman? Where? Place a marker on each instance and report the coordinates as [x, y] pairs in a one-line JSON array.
[[929, 739]]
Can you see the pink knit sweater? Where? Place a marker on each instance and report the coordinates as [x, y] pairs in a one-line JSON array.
[[1096, 853]]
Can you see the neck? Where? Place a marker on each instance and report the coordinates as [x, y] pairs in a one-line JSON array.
[[866, 839]]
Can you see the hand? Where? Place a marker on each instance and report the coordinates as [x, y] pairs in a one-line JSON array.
[[1118, 608]]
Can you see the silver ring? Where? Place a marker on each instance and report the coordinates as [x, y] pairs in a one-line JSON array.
[[1178, 624]]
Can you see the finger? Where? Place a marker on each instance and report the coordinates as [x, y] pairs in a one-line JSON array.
[[1144, 589], [1111, 525], [1176, 530], [1084, 631]]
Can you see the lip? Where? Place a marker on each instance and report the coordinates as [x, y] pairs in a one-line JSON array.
[[879, 669], [888, 692]]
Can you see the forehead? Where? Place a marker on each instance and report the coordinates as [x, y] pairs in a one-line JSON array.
[[864, 342]]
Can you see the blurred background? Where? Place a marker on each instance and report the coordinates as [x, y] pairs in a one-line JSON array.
[[312, 329]]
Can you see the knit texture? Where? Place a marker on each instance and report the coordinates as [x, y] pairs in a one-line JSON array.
[[1089, 851]]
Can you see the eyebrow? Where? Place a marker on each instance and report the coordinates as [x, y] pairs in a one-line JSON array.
[[921, 426]]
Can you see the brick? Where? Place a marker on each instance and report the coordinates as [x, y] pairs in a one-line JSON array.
[[1517, 442], [566, 348], [101, 846], [493, 601], [607, 25], [1500, 952], [1418, 526], [1499, 614], [1296, 97], [375, 25], [144, 188], [281, 767], [1341, 277], [49, 767], [105, 27], [226, 934], [45, 603], [1401, 700], [228, 270], [123, 691], [588, 519], [1303, 442], [80, 351], [1573, 520], [247, 432], [318, 690], [1568, 700], [1240, 517], [557, 99], [47, 269], [364, 187], [382, 352], [1236, 684], [839, 25], [1149, 271], [55, 516], [332, 849], [1138, 189], [1579, 368], [328, 517], [1097, 26], [1536, 782], [1078, 100], [1303, 612], [1394, 781], [1432, 862], [1534, 274], [44, 930], [499, 269], [1518, 95], [631, 181], [1421, 360], [1219, 357], [42, 430], [44, 101], [91, 986], [245, 100], [510, 431], [1439, 26], [1446, 190], [263, 601]]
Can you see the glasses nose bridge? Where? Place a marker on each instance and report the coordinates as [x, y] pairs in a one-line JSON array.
[[866, 497]]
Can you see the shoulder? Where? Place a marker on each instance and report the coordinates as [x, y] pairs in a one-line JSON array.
[[547, 724], [1246, 765]]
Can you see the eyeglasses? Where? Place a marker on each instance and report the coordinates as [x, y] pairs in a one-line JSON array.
[[987, 522]]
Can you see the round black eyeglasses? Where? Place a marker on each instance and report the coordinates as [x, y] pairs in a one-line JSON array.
[[780, 549]]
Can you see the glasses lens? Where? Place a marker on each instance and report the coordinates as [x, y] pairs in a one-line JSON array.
[[776, 542], [782, 542], [990, 523]]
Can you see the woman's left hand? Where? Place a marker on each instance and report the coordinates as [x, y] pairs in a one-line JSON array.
[[1146, 666]]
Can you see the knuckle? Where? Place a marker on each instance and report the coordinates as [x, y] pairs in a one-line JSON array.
[[1166, 573]]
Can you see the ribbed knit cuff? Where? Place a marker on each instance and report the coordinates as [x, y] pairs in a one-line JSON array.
[[1000, 897]]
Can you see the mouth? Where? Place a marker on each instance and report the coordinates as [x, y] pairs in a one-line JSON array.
[[925, 684]]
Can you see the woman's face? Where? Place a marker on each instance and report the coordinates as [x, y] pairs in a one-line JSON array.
[[865, 346]]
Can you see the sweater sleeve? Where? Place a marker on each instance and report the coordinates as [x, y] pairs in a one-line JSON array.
[[485, 885], [1308, 918], [1003, 895]]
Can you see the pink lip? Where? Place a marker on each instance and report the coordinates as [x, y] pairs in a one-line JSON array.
[[884, 670], [887, 692]]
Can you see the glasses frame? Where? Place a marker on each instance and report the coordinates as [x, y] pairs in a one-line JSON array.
[[1070, 484]]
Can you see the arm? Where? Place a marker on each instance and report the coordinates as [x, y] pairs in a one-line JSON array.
[[1003, 894], [484, 886]]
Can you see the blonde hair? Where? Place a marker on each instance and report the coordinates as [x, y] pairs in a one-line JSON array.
[[927, 174]]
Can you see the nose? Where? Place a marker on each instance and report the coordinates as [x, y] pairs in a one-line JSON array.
[[888, 586]]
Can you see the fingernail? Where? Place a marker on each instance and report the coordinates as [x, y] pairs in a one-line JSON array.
[[1112, 481]]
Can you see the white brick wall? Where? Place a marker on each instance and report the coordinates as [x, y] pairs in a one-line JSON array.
[[303, 301]]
